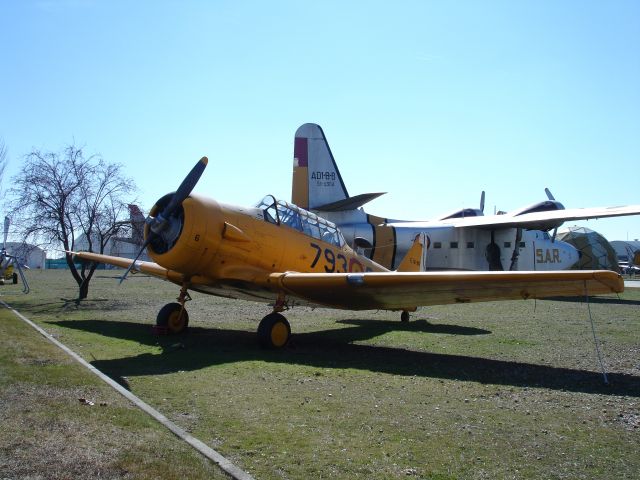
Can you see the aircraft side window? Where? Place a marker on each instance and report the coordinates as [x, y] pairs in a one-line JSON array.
[[289, 217], [310, 227], [330, 235]]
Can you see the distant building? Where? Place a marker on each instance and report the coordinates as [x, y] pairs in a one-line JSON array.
[[29, 255], [625, 250], [117, 247], [127, 247]]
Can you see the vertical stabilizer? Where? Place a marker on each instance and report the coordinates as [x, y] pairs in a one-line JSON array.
[[416, 258], [316, 179], [137, 224]]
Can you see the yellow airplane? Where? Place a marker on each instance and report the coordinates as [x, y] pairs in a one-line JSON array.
[[281, 254]]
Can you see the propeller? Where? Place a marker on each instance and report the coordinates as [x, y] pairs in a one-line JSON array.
[[549, 194], [11, 259], [161, 221], [482, 202], [552, 198]]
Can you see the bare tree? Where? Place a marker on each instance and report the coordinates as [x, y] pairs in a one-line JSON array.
[[62, 196]]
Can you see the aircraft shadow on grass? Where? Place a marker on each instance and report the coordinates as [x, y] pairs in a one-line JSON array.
[[203, 347], [603, 300]]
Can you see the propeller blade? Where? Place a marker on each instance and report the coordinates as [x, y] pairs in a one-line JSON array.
[[482, 202], [144, 245], [185, 188], [549, 195]]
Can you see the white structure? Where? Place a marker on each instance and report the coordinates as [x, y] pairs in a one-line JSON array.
[[116, 246], [29, 255]]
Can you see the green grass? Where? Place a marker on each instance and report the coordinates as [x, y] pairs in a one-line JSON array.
[[495, 390], [48, 433]]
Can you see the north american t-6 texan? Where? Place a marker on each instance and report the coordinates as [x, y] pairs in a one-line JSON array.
[[283, 255], [465, 239]]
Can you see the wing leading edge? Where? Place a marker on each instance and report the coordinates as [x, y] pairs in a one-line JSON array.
[[397, 290], [149, 268]]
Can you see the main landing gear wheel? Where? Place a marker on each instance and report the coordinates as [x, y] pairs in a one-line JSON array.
[[274, 331], [15, 278], [174, 317], [404, 316]]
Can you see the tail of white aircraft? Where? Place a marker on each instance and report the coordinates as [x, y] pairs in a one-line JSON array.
[[137, 224], [317, 183]]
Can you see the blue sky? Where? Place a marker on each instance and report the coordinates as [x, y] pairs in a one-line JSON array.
[[429, 101]]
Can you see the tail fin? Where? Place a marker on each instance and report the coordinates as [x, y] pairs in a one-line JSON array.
[[317, 183], [416, 258], [137, 224]]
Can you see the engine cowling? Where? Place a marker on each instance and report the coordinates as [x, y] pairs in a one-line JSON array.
[[192, 237]]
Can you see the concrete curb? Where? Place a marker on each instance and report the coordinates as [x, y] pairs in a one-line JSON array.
[[207, 451]]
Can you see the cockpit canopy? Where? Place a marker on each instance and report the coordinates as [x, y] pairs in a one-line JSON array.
[[280, 212]]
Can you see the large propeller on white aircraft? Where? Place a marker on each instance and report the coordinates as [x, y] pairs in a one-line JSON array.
[[552, 198], [161, 222], [549, 194], [482, 202]]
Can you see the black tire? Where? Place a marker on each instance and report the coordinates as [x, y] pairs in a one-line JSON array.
[[15, 278], [404, 316], [174, 317], [274, 331]]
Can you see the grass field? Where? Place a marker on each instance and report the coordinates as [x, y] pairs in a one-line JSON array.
[[494, 390]]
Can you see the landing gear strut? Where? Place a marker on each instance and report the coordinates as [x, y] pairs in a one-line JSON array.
[[173, 316]]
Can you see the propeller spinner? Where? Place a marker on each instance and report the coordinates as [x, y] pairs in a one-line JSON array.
[[159, 223]]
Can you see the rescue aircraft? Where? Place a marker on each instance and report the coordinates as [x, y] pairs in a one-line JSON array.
[[281, 254], [465, 239], [10, 267]]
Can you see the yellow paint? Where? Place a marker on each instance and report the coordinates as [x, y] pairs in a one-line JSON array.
[[384, 246], [279, 334], [300, 187], [412, 260]]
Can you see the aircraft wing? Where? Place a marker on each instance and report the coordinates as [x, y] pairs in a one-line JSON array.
[[149, 268], [398, 290], [545, 220]]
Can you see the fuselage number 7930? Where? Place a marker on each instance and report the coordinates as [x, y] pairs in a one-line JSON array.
[[335, 263]]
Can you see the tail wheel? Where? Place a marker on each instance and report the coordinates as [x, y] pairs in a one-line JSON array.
[[174, 317], [274, 331], [15, 278]]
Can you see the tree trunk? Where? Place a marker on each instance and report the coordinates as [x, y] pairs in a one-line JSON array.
[[83, 290]]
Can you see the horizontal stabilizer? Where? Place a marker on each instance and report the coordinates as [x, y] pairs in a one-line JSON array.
[[350, 203]]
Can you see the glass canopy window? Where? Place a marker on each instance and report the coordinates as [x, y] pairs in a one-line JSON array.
[[280, 212]]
